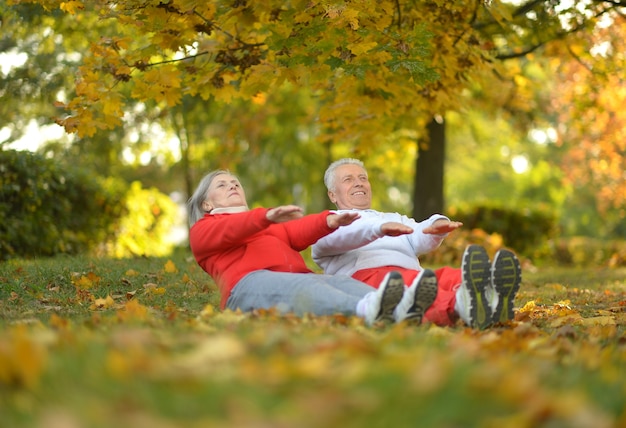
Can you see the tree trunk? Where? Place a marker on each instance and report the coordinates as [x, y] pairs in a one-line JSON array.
[[428, 184]]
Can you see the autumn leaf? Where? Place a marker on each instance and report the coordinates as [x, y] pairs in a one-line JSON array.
[[152, 288], [133, 310], [103, 303], [22, 358], [170, 267], [85, 282]]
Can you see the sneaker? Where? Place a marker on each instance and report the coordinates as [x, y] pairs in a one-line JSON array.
[[379, 305], [417, 298], [472, 302], [506, 277]]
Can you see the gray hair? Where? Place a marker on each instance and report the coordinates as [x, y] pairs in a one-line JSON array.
[[194, 205], [329, 175]]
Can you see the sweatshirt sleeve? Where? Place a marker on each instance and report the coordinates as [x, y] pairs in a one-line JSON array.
[[424, 243], [224, 231], [361, 232]]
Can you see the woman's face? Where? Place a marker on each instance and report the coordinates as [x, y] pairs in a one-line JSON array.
[[225, 191]]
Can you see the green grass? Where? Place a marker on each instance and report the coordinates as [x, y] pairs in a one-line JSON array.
[[138, 342]]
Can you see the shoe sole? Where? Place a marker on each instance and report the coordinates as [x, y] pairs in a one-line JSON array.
[[425, 295], [392, 295], [476, 273], [506, 278]]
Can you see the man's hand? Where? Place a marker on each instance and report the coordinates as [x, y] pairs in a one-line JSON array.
[[442, 226], [284, 213], [395, 229], [343, 219]]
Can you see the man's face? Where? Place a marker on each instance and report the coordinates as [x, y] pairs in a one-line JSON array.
[[352, 188]]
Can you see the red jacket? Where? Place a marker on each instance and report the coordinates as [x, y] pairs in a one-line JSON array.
[[229, 246]]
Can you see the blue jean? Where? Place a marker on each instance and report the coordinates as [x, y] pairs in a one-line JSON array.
[[299, 293]]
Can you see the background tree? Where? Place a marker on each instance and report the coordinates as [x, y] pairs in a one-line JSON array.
[[356, 79]]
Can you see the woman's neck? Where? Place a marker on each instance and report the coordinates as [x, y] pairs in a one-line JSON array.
[[229, 210]]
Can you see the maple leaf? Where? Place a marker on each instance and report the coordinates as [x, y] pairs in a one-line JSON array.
[[151, 288], [170, 267], [71, 6], [103, 303], [85, 282], [133, 310]]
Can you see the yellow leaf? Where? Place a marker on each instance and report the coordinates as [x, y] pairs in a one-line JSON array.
[[83, 283], [157, 290], [22, 359], [597, 321], [131, 272], [564, 320], [207, 312], [214, 350], [360, 48], [226, 93], [133, 310], [170, 267], [71, 6], [152, 288], [105, 303], [302, 17], [352, 16], [58, 322]]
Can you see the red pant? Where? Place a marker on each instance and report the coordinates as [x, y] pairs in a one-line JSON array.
[[441, 312]]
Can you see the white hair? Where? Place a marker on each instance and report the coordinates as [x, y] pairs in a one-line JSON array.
[[194, 205], [329, 175]]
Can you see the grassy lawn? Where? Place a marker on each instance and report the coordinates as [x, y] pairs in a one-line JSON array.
[[140, 343]]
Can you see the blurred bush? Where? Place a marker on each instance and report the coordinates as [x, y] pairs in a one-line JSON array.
[[48, 208], [529, 231], [148, 216], [587, 251]]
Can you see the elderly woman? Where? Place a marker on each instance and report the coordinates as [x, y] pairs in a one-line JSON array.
[[254, 256]]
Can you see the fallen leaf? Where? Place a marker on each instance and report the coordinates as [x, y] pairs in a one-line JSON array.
[[603, 320], [103, 303], [170, 267]]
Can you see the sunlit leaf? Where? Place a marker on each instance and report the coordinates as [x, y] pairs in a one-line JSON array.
[[170, 267], [103, 303]]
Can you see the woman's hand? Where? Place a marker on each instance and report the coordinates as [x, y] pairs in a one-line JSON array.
[[343, 219], [284, 213]]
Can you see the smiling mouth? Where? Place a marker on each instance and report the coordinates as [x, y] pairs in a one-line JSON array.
[[358, 194]]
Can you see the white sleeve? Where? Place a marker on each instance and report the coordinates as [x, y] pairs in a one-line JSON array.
[[345, 238], [424, 243]]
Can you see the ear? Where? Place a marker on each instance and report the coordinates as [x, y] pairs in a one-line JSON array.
[[206, 206], [331, 196]]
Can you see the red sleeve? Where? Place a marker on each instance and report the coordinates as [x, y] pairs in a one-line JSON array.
[[306, 231], [226, 231]]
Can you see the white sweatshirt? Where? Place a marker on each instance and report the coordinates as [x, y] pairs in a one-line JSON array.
[[362, 245]]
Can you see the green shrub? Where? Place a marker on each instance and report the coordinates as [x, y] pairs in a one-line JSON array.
[[587, 251], [49, 209], [528, 231]]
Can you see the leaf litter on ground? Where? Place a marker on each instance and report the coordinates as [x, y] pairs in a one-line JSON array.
[[90, 343]]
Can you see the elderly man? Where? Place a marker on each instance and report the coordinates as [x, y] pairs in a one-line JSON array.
[[481, 293]]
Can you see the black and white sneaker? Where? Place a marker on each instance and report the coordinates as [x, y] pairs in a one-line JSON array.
[[506, 277], [472, 303], [381, 303], [417, 297]]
